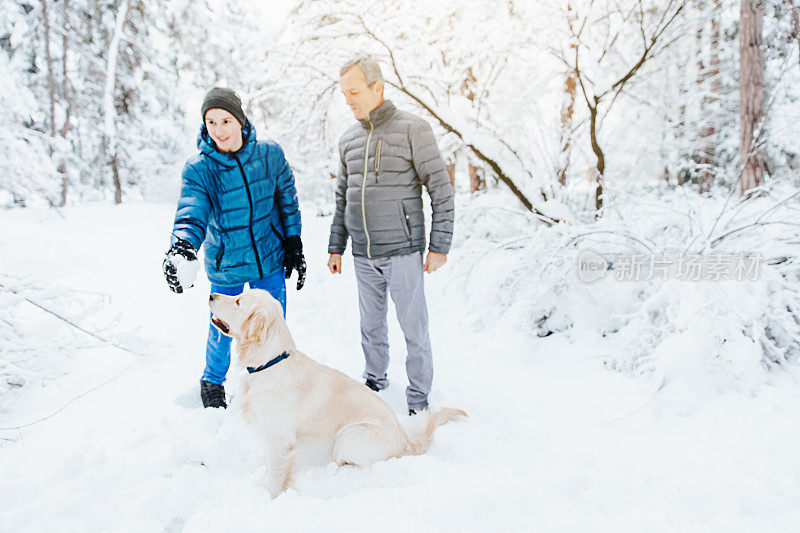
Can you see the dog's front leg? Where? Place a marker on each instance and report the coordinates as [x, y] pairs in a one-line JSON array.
[[282, 462]]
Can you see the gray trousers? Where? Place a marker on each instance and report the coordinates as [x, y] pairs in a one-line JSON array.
[[402, 277]]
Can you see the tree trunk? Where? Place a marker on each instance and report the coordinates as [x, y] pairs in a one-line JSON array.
[[567, 112], [51, 89], [601, 158], [711, 88], [699, 152], [51, 81], [710, 132], [62, 164], [796, 29], [117, 182], [681, 128], [751, 92], [108, 100], [567, 106]]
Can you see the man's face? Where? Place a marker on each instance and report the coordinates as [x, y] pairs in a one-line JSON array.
[[224, 129], [360, 97]]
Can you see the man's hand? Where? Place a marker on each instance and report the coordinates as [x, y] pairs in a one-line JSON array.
[[434, 261], [335, 264]]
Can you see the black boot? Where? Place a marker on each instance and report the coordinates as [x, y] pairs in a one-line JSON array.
[[412, 412], [213, 395], [372, 385]]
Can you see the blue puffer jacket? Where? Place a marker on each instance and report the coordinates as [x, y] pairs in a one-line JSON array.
[[242, 205]]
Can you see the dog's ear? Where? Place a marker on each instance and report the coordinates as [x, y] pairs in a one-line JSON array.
[[254, 327]]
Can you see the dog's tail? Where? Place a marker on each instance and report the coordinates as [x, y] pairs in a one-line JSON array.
[[417, 445]]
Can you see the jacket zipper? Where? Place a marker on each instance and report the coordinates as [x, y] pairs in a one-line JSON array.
[[378, 158], [250, 222], [363, 185]]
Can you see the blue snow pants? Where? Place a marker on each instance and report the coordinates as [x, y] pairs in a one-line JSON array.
[[218, 348]]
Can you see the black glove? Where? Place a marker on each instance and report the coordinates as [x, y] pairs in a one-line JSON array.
[[293, 259], [182, 248]]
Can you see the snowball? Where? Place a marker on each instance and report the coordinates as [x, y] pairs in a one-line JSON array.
[[186, 270]]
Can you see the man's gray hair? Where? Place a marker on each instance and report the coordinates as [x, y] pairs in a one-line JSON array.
[[368, 65]]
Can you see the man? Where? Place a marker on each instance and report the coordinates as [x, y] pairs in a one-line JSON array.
[[386, 158]]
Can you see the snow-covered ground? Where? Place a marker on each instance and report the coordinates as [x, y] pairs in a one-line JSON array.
[[555, 440]]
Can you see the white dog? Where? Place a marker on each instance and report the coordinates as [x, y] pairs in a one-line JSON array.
[[300, 405]]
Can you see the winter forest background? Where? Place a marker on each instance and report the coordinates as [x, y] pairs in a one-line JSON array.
[[592, 119], [655, 129], [103, 96]]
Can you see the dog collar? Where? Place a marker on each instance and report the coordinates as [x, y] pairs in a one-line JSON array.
[[268, 364]]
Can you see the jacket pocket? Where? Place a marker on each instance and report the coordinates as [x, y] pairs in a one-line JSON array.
[[220, 253], [276, 232], [404, 220]]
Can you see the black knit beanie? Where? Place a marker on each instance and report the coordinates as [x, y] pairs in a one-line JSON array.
[[224, 98]]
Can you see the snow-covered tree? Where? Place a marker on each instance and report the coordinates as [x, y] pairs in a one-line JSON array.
[[482, 98], [614, 41]]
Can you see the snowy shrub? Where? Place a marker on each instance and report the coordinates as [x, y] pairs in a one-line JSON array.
[[669, 323], [28, 176], [37, 347]]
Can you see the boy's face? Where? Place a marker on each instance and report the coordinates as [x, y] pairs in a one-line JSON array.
[[224, 129]]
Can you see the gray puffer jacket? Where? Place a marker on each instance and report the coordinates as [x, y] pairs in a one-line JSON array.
[[385, 161]]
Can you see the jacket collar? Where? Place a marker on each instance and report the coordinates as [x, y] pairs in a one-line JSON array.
[[207, 146], [379, 114]]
